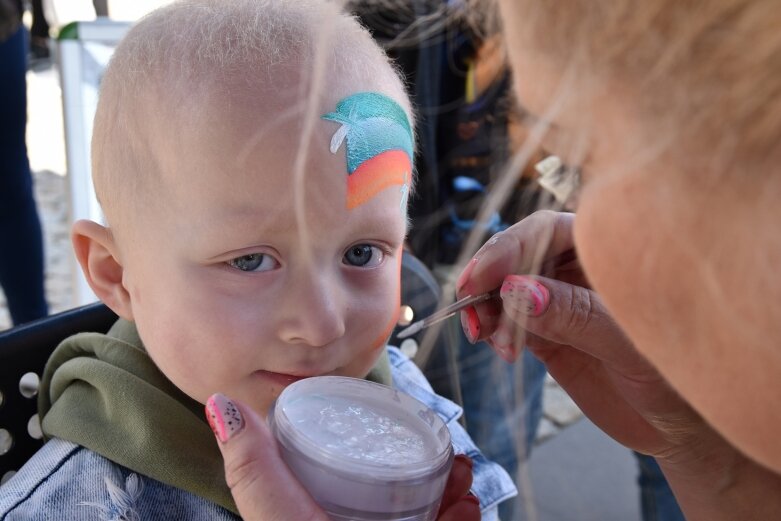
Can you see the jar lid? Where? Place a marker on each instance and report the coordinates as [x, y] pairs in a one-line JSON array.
[[361, 428]]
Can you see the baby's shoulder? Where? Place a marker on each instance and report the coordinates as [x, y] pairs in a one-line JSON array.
[[407, 377], [78, 483], [490, 483]]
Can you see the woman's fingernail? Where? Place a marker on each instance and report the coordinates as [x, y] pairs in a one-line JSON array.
[[471, 324], [524, 294], [502, 339], [465, 274], [502, 343], [223, 416]]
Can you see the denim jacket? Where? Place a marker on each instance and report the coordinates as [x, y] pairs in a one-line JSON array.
[[66, 481]]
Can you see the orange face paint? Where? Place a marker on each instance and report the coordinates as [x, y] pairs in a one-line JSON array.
[[376, 174]]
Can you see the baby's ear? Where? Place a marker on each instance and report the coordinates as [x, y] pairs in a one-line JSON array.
[[96, 252]]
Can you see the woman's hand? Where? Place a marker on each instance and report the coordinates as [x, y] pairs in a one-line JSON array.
[[265, 489], [564, 323]]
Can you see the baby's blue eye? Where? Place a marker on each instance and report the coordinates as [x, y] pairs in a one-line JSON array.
[[253, 262], [363, 255]]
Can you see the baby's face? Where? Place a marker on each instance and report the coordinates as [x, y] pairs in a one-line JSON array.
[[237, 292]]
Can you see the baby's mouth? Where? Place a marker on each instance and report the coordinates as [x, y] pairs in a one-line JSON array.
[[286, 378], [280, 378]]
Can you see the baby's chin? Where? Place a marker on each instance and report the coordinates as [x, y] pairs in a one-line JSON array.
[[262, 403]]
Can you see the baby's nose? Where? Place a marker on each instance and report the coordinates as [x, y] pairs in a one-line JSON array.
[[315, 313]]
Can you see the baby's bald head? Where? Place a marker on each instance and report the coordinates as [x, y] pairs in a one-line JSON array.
[[191, 68]]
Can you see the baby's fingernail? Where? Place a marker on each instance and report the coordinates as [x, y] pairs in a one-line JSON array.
[[525, 295], [465, 274], [471, 324], [223, 416], [465, 459], [471, 498]]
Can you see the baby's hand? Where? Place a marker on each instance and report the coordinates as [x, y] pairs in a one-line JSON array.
[[457, 503], [265, 489], [261, 483]]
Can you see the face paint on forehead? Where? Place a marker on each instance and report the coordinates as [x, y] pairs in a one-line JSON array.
[[378, 146]]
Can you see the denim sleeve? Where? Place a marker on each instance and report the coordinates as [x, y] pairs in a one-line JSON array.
[[66, 481], [491, 483]]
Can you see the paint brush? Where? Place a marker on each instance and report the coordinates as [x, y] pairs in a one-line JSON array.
[[549, 267], [446, 313]]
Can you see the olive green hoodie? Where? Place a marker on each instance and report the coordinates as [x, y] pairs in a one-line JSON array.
[[104, 392]]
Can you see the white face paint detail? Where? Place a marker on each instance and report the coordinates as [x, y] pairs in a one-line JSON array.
[[404, 195], [338, 138]]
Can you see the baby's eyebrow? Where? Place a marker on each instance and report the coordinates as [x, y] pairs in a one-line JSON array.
[[378, 223]]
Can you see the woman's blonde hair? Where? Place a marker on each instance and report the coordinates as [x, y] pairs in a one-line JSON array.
[[711, 67]]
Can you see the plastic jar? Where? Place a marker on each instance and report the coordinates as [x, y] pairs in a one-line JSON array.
[[363, 450]]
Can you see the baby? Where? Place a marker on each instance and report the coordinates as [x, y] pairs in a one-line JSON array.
[[253, 160]]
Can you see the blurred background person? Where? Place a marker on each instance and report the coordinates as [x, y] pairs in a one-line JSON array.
[[21, 240], [39, 32]]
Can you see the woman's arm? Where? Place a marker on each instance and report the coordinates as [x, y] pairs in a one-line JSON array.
[[565, 324]]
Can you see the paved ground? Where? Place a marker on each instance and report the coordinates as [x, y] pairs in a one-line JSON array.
[[581, 475], [575, 473]]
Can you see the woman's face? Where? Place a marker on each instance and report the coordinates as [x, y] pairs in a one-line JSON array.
[[669, 260]]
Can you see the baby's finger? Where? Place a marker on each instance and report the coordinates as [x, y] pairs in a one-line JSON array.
[[521, 248], [458, 482], [260, 481], [465, 509]]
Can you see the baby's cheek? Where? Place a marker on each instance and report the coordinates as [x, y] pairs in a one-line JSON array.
[[386, 332], [394, 310]]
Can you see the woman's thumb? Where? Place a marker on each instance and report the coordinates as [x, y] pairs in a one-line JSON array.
[[260, 481], [562, 313]]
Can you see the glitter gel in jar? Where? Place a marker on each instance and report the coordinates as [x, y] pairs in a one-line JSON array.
[[363, 450]]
